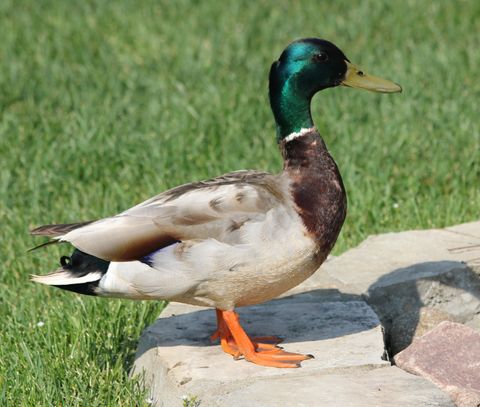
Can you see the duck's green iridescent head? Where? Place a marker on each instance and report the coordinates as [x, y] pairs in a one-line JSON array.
[[305, 67]]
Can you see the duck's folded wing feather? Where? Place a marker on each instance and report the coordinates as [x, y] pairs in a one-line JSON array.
[[209, 209]]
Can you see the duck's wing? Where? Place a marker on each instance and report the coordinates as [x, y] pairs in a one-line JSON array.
[[216, 209]]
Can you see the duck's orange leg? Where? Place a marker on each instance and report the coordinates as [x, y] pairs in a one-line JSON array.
[[236, 342], [226, 340], [228, 343]]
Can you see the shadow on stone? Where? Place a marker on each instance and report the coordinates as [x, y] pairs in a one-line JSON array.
[[315, 315]]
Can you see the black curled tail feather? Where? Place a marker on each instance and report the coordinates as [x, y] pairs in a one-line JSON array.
[[80, 273]]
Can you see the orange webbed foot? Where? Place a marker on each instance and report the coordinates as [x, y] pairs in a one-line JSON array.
[[259, 350]]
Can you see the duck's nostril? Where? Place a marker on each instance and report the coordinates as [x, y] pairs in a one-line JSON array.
[[360, 73]]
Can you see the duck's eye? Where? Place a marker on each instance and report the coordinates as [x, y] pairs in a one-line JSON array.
[[320, 57]]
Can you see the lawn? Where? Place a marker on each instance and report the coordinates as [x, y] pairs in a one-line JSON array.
[[103, 104]]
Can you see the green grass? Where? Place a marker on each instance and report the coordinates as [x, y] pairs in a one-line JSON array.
[[103, 104]]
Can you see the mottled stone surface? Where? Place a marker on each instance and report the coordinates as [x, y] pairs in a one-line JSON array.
[[474, 322], [370, 388], [449, 356]]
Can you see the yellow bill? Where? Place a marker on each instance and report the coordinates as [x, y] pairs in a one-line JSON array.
[[356, 78]]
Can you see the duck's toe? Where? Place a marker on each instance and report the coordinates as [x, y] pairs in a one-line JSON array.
[[276, 358]]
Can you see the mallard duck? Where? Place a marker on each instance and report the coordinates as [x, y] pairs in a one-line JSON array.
[[236, 240]]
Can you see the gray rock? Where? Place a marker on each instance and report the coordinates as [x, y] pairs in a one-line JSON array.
[[449, 356], [179, 359]]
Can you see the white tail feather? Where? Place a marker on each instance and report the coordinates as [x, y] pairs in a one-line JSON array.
[[63, 277]]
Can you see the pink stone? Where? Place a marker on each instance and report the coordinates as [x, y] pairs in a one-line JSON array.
[[449, 356]]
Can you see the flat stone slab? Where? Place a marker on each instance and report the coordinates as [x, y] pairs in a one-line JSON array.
[[374, 388], [449, 356], [178, 357]]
